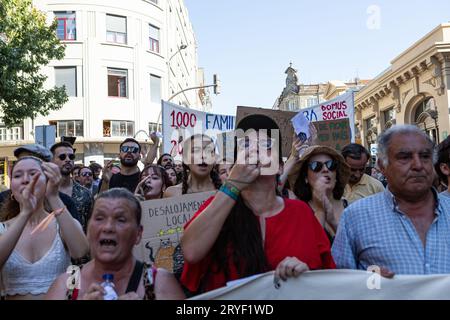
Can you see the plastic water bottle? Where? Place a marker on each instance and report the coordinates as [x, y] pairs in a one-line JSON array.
[[108, 285]]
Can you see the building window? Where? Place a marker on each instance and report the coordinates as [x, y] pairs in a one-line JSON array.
[[155, 89], [11, 134], [311, 102], [388, 115], [118, 128], [117, 83], [116, 29], [154, 38], [66, 29], [67, 76], [154, 127], [68, 128]]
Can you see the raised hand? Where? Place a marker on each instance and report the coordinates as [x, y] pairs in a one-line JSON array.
[[53, 175], [107, 173], [27, 198], [139, 188], [243, 174]]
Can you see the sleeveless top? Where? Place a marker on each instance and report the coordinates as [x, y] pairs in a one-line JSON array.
[[22, 277], [147, 271]]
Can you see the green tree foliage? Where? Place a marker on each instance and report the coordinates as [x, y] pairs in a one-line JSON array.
[[26, 44]]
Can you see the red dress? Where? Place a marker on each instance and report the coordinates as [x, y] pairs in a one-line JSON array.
[[294, 232]]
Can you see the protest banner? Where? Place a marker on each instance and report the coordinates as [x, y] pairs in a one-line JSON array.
[[341, 107], [333, 133], [179, 123], [163, 221], [282, 119], [335, 285]]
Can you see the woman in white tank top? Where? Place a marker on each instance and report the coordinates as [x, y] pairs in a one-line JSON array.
[[30, 262]]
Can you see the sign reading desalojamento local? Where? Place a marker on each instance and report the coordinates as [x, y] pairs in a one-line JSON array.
[[163, 221], [179, 123]]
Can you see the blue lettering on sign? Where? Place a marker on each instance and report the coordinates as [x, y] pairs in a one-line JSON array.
[[219, 122], [310, 115]]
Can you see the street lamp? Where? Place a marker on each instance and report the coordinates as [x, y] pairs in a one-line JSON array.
[[182, 47]]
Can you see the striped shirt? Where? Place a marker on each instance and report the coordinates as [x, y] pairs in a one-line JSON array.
[[373, 231]]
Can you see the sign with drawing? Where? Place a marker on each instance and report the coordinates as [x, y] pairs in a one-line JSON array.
[[163, 222]]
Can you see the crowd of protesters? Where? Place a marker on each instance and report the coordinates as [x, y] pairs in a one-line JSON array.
[[318, 210]]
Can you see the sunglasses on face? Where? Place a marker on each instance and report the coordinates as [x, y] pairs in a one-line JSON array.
[[86, 174], [63, 156], [316, 166], [126, 149]]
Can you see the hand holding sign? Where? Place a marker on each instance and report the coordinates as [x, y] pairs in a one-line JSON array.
[[301, 126]]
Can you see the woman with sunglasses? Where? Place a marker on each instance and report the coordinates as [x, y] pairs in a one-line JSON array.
[[323, 174]]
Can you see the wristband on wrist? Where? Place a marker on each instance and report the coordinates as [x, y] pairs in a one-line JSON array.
[[230, 190]]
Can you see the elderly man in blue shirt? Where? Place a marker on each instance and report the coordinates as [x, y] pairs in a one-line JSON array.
[[406, 228]]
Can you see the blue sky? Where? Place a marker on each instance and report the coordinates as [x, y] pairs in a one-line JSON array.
[[249, 43]]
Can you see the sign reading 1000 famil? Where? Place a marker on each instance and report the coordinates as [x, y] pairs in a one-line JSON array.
[[180, 123]]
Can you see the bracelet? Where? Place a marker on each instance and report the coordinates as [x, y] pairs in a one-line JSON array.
[[238, 181], [230, 190]]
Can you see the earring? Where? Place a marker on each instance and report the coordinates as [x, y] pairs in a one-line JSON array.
[[12, 197]]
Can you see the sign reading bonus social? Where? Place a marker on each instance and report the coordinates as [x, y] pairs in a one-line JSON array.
[[341, 107], [179, 123]]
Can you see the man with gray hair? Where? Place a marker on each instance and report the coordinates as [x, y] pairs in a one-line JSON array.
[[405, 229]]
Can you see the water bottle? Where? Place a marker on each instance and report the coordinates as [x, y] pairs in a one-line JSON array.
[[108, 285]]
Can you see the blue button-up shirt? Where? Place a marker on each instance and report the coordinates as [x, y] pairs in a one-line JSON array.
[[373, 231]]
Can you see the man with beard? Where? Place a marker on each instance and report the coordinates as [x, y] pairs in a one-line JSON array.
[[128, 177], [63, 157]]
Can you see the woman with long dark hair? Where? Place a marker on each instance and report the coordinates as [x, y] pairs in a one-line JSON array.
[[323, 174], [246, 228]]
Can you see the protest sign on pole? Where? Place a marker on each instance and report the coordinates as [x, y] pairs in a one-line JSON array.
[[163, 221], [180, 123]]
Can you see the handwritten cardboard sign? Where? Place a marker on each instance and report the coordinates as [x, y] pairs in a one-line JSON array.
[[163, 222], [282, 119], [333, 133]]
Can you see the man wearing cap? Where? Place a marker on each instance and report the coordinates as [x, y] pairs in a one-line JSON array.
[[41, 152], [360, 184], [63, 157], [406, 228], [443, 164]]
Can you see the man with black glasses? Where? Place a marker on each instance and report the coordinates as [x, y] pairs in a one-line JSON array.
[[128, 177], [63, 157]]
